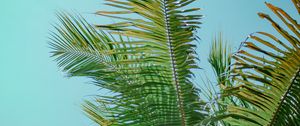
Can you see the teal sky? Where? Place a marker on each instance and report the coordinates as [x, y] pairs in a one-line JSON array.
[[34, 92]]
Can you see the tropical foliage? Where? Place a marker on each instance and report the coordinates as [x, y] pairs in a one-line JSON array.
[[146, 66], [266, 75]]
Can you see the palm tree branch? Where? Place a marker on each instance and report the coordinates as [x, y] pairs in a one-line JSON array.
[[269, 83], [170, 33], [284, 97]]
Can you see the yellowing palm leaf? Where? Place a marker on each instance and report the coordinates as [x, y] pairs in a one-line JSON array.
[[267, 74]]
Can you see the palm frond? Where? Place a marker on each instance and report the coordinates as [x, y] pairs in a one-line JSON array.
[[168, 29], [267, 76], [220, 60], [149, 74]]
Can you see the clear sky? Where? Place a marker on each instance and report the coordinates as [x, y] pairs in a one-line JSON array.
[[33, 91]]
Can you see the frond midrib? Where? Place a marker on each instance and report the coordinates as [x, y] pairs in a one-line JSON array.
[[173, 64], [275, 115]]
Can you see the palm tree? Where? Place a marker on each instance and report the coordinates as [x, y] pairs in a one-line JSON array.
[[146, 64]]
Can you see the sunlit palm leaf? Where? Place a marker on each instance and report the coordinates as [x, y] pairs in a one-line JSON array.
[[114, 65], [149, 74], [168, 30], [267, 73]]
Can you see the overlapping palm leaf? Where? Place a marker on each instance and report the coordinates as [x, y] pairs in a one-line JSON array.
[[148, 74], [267, 75], [168, 30]]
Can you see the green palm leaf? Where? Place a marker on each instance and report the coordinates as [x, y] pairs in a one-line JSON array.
[[169, 31], [267, 76], [148, 75], [220, 60]]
